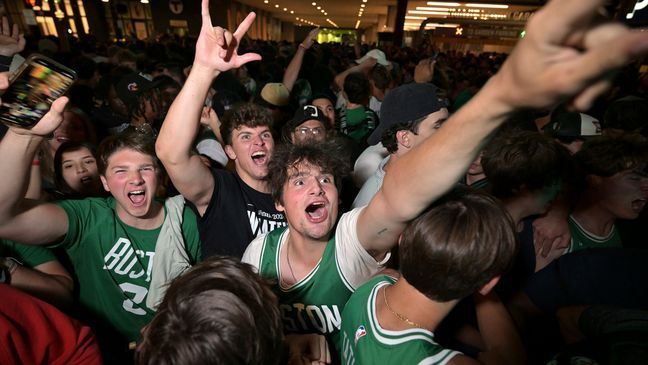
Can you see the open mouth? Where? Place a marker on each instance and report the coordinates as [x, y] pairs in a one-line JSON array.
[[137, 197], [638, 205], [316, 212], [259, 157], [86, 180]]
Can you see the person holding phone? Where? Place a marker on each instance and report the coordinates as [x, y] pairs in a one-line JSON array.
[[123, 247]]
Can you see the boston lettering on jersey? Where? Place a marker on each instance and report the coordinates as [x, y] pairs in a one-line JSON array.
[[299, 317], [124, 260]]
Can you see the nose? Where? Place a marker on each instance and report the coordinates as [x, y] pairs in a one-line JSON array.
[[316, 187], [258, 140], [135, 178], [81, 168]]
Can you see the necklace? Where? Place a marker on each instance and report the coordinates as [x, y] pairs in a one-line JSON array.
[[289, 265], [398, 315]]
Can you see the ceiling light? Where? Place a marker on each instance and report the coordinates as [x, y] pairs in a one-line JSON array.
[[276, 5], [488, 6], [362, 5], [285, 9], [292, 12], [314, 3], [433, 9], [436, 3], [428, 12], [265, 1]]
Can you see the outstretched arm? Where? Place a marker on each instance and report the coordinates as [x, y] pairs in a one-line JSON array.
[[21, 219], [292, 71], [216, 52], [563, 55]]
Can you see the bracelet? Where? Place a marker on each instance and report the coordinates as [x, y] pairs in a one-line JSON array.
[[301, 45], [10, 264], [35, 162]]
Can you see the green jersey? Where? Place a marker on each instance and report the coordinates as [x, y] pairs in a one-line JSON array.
[[583, 240], [314, 304], [364, 341], [113, 262]]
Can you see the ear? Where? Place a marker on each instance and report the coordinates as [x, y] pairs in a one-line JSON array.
[[402, 138], [279, 207], [486, 288], [104, 182], [230, 152]]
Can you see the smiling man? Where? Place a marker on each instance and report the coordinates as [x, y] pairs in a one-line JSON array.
[[234, 207], [114, 243]]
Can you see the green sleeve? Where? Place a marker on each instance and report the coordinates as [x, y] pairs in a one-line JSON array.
[[191, 234], [29, 255]]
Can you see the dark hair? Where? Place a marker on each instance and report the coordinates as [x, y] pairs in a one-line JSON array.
[[517, 158], [131, 138], [457, 246], [59, 180], [244, 114], [356, 88], [388, 138], [219, 312], [612, 153], [381, 77], [328, 156]]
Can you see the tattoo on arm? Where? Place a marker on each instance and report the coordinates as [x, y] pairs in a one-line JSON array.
[[382, 231]]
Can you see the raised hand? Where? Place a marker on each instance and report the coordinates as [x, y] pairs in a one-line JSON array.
[[11, 41], [310, 38], [566, 54], [48, 123], [217, 48]]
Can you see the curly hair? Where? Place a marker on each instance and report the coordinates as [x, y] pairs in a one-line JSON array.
[[328, 156], [244, 114]]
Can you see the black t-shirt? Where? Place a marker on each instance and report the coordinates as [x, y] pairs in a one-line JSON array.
[[235, 216]]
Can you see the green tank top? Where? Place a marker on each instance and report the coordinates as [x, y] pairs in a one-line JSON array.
[[314, 304], [583, 240], [364, 341]]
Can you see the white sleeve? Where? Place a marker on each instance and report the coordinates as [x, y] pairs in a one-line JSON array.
[[253, 252], [355, 263], [212, 149], [367, 163]]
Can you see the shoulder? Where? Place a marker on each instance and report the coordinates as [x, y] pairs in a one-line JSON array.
[[256, 249]]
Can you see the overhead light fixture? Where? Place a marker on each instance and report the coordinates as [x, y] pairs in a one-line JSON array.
[[487, 6], [276, 5], [357, 24], [436, 3], [314, 3], [433, 9], [292, 12], [428, 12]]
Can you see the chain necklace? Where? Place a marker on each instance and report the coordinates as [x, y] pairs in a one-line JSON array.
[[289, 265], [398, 315]]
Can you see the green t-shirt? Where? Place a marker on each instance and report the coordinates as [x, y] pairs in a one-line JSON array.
[[583, 240], [364, 341], [28, 255], [113, 262], [358, 123]]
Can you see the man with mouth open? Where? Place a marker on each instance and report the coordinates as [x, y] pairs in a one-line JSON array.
[[123, 247], [234, 207]]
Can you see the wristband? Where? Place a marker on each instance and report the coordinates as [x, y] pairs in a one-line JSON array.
[[301, 45], [35, 162], [10, 264]]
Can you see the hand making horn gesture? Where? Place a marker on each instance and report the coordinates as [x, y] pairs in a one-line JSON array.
[[217, 48]]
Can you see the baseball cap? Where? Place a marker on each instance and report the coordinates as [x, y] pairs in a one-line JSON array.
[[377, 54], [406, 103], [275, 93], [305, 113], [565, 124], [131, 86]]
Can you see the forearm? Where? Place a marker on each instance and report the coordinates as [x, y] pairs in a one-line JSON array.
[[16, 154], [431, 169], [498, 332], [181, 124], [292, 71], [55, 289]]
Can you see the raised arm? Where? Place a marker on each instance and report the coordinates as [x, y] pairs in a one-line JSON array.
[[292, 71], [24, 220], [563, 55], [216, 52]]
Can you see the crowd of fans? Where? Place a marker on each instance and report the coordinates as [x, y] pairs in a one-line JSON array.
[[229, 200]]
